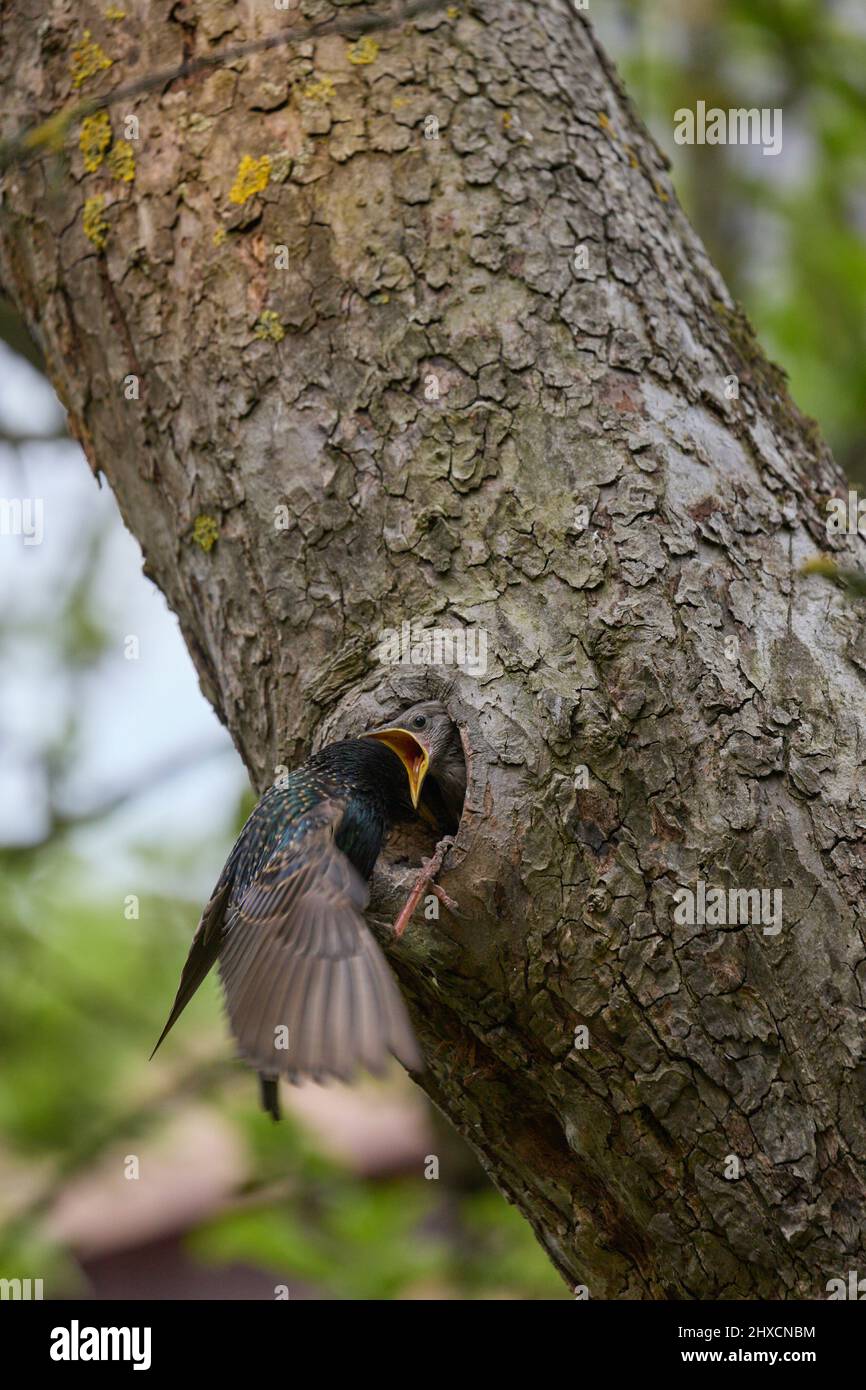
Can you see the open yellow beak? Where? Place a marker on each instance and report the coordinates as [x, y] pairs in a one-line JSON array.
[[412, 754]]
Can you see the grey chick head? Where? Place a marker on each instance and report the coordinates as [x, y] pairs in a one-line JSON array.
[[431, 724]]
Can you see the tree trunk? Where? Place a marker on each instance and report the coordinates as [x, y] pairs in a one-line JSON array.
[[404, 424]]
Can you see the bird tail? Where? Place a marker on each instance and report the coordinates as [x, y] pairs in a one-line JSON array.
[[270, 1095], [203, 952]]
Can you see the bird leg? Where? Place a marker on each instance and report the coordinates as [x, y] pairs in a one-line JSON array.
[[444, 898], [429, 870]]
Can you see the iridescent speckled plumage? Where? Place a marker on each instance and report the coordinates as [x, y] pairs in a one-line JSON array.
[[308, 992]]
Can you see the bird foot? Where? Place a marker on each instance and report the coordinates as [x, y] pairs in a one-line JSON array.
[[429, 870]]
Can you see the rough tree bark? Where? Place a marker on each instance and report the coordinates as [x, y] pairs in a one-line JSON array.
[[669, 647]]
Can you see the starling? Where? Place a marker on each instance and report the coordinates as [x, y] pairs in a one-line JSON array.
[[445, 786], [443, 793], [308, 992]]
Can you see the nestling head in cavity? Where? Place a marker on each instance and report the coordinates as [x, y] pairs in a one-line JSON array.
[[429, 727]]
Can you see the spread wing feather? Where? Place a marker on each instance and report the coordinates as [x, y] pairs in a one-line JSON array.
[[300, 966]]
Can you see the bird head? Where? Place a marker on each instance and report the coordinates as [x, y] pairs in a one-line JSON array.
[[411, 752], [424, 740]]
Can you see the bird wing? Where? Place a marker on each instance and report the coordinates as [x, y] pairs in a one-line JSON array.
[[203, 951], [308, 991]]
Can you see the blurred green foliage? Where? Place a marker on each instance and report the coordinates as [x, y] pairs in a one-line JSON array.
[[79, 997], [358, 1239], [788, 233], [82, 997]]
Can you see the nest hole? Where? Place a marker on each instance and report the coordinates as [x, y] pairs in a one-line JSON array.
[[411, 842]]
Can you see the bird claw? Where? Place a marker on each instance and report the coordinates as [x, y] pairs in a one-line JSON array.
[[446, 901], [429, 870]]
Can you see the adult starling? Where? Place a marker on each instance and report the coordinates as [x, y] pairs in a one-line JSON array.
[[308, 992]]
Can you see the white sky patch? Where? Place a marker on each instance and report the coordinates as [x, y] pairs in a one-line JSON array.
[[28, 405], [135, 716]]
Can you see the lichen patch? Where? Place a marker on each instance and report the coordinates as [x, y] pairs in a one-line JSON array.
[[253, 176]]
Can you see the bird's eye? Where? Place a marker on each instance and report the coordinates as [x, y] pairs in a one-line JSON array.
[[419, 721]]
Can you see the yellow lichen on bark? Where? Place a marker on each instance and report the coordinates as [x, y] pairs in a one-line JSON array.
[[269, 326], [323, 90], [252, 177], [366, 50], [121, 161], [205, 531], [95, 225], [87, 59], [94, 140]]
